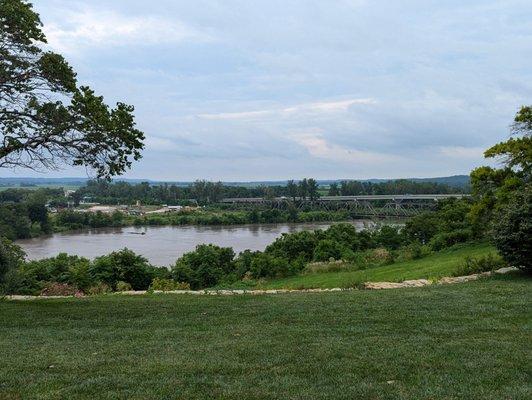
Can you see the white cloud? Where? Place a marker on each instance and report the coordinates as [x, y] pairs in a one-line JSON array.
[[90, 28], [160, 144], [318, 147], [463, 152], [307, 108]]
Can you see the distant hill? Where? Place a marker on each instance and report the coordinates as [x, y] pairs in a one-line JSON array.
[[458, 181]]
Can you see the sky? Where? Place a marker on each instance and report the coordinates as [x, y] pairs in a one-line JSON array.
[[278, 89]]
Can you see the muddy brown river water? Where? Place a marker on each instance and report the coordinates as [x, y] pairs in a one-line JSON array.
[[162, 245]]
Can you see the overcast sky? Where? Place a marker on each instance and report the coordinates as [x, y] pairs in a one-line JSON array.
[[276, 89]]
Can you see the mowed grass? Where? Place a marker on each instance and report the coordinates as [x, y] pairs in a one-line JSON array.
[[466, 341], [437, 265]]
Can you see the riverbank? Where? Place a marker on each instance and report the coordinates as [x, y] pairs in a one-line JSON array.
[[68, 220], [163, 245], [442, 341]]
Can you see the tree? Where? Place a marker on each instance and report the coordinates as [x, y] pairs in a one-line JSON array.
[[46, 120], [123, 265], [204, 266], [303, 188], [334, 190], [494, 187], [513, 230], [312, 188], [11, 256], [291, 188]]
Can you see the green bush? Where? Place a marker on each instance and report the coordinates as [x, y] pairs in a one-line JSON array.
[[477, 265], [513, 230], [205, 266], [389, 237], [99, 288], [328, 249], [72, 270], [122, 286], [345, 235], [447, 239], [79, 274], [334, 266], [299, 245], [16, 283], [265, 265], [123, 265], [11, 257], [412, 251]]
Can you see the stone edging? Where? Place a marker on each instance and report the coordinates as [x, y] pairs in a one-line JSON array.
[[231, 292]]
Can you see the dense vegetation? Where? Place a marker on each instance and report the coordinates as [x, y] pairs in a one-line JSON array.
[[380, 266], [503, 195], [64, 274], [210, 192], [399, 186], [68, 219], [505, 191], [468, 341], [23, 212], [289, 255]]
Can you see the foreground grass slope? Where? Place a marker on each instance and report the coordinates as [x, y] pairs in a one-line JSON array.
[[437, 265], [454, 342]]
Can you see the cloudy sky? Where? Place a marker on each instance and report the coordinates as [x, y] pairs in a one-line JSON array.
[[276, 89]]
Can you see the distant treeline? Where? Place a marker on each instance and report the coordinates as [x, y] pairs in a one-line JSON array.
[[211, 192], [401, 186]]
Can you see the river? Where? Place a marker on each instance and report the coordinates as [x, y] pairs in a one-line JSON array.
[[162, 245]]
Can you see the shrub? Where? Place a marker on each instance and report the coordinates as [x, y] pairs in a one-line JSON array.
[[123, 265], [294, 246], [16, 283], [267, 266], [79, 275], [333, 266], [60, 289], [345, 235], [421, 228], [168, 285], [447, 239], [99, 288], [477, 265], [122, 286], [328, 249], [205, 266], [379, 256], [33, 275], [513, 230], [11, 257], [413, 251], [389, 237]]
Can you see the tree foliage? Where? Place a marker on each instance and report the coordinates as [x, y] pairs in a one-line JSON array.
[[513, 230], [494, 187], [503, 195], [46, 120]]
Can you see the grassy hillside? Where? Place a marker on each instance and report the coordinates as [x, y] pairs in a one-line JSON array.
[[437, 265], [467, 341]]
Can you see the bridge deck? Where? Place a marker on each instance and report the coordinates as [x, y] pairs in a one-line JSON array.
[[393, 197]]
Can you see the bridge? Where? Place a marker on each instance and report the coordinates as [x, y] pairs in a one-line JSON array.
[[405, 205]]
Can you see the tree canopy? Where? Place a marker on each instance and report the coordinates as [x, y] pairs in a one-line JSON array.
[[46, 120], [493, 187]]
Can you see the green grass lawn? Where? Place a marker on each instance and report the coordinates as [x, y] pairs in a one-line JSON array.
[[466, 341], [437, 265]]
